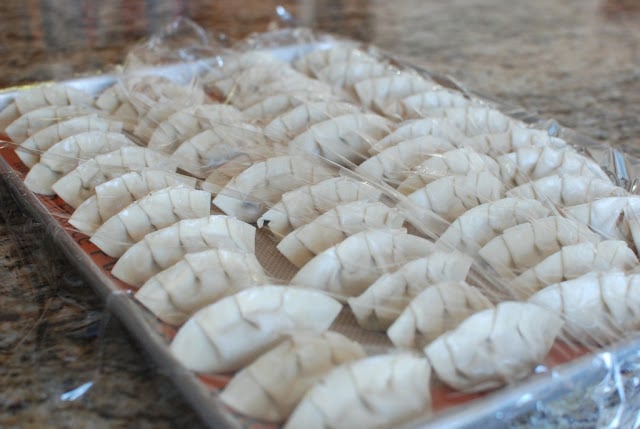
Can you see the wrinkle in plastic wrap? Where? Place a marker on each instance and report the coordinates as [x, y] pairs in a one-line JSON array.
[[610, 400]]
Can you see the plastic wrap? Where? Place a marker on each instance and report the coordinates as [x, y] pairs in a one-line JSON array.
[[351, 169]]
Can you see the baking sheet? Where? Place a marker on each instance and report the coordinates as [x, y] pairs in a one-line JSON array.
[[492, 409]]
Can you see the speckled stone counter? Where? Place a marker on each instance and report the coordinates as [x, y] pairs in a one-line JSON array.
[[63, 361]]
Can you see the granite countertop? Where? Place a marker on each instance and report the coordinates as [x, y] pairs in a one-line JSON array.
[[63, 361]]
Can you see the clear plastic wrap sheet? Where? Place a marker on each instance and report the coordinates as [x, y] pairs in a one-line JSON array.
[[554, 397]]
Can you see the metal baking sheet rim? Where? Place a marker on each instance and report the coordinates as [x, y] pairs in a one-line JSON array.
[[489, 410]]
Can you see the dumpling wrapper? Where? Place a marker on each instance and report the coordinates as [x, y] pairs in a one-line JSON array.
[[116, 194], [271, 387], [79, 184], [157, 210], [434, 311], [197, 280], [160, 249], [333, 226], [494, 346], [382, 302], [65, 155], [375, 392], [248, 195], [349, 267], [227, 335]]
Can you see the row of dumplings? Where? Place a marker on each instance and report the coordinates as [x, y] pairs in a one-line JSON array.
[[350, 163]]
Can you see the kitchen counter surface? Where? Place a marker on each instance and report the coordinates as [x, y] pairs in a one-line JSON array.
[[63, 361]]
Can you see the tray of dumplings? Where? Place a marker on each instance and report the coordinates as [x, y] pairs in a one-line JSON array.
[[304, 231]]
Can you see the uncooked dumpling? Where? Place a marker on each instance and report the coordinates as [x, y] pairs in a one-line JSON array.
[[375, 392], [227, 335], [271, 387]]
